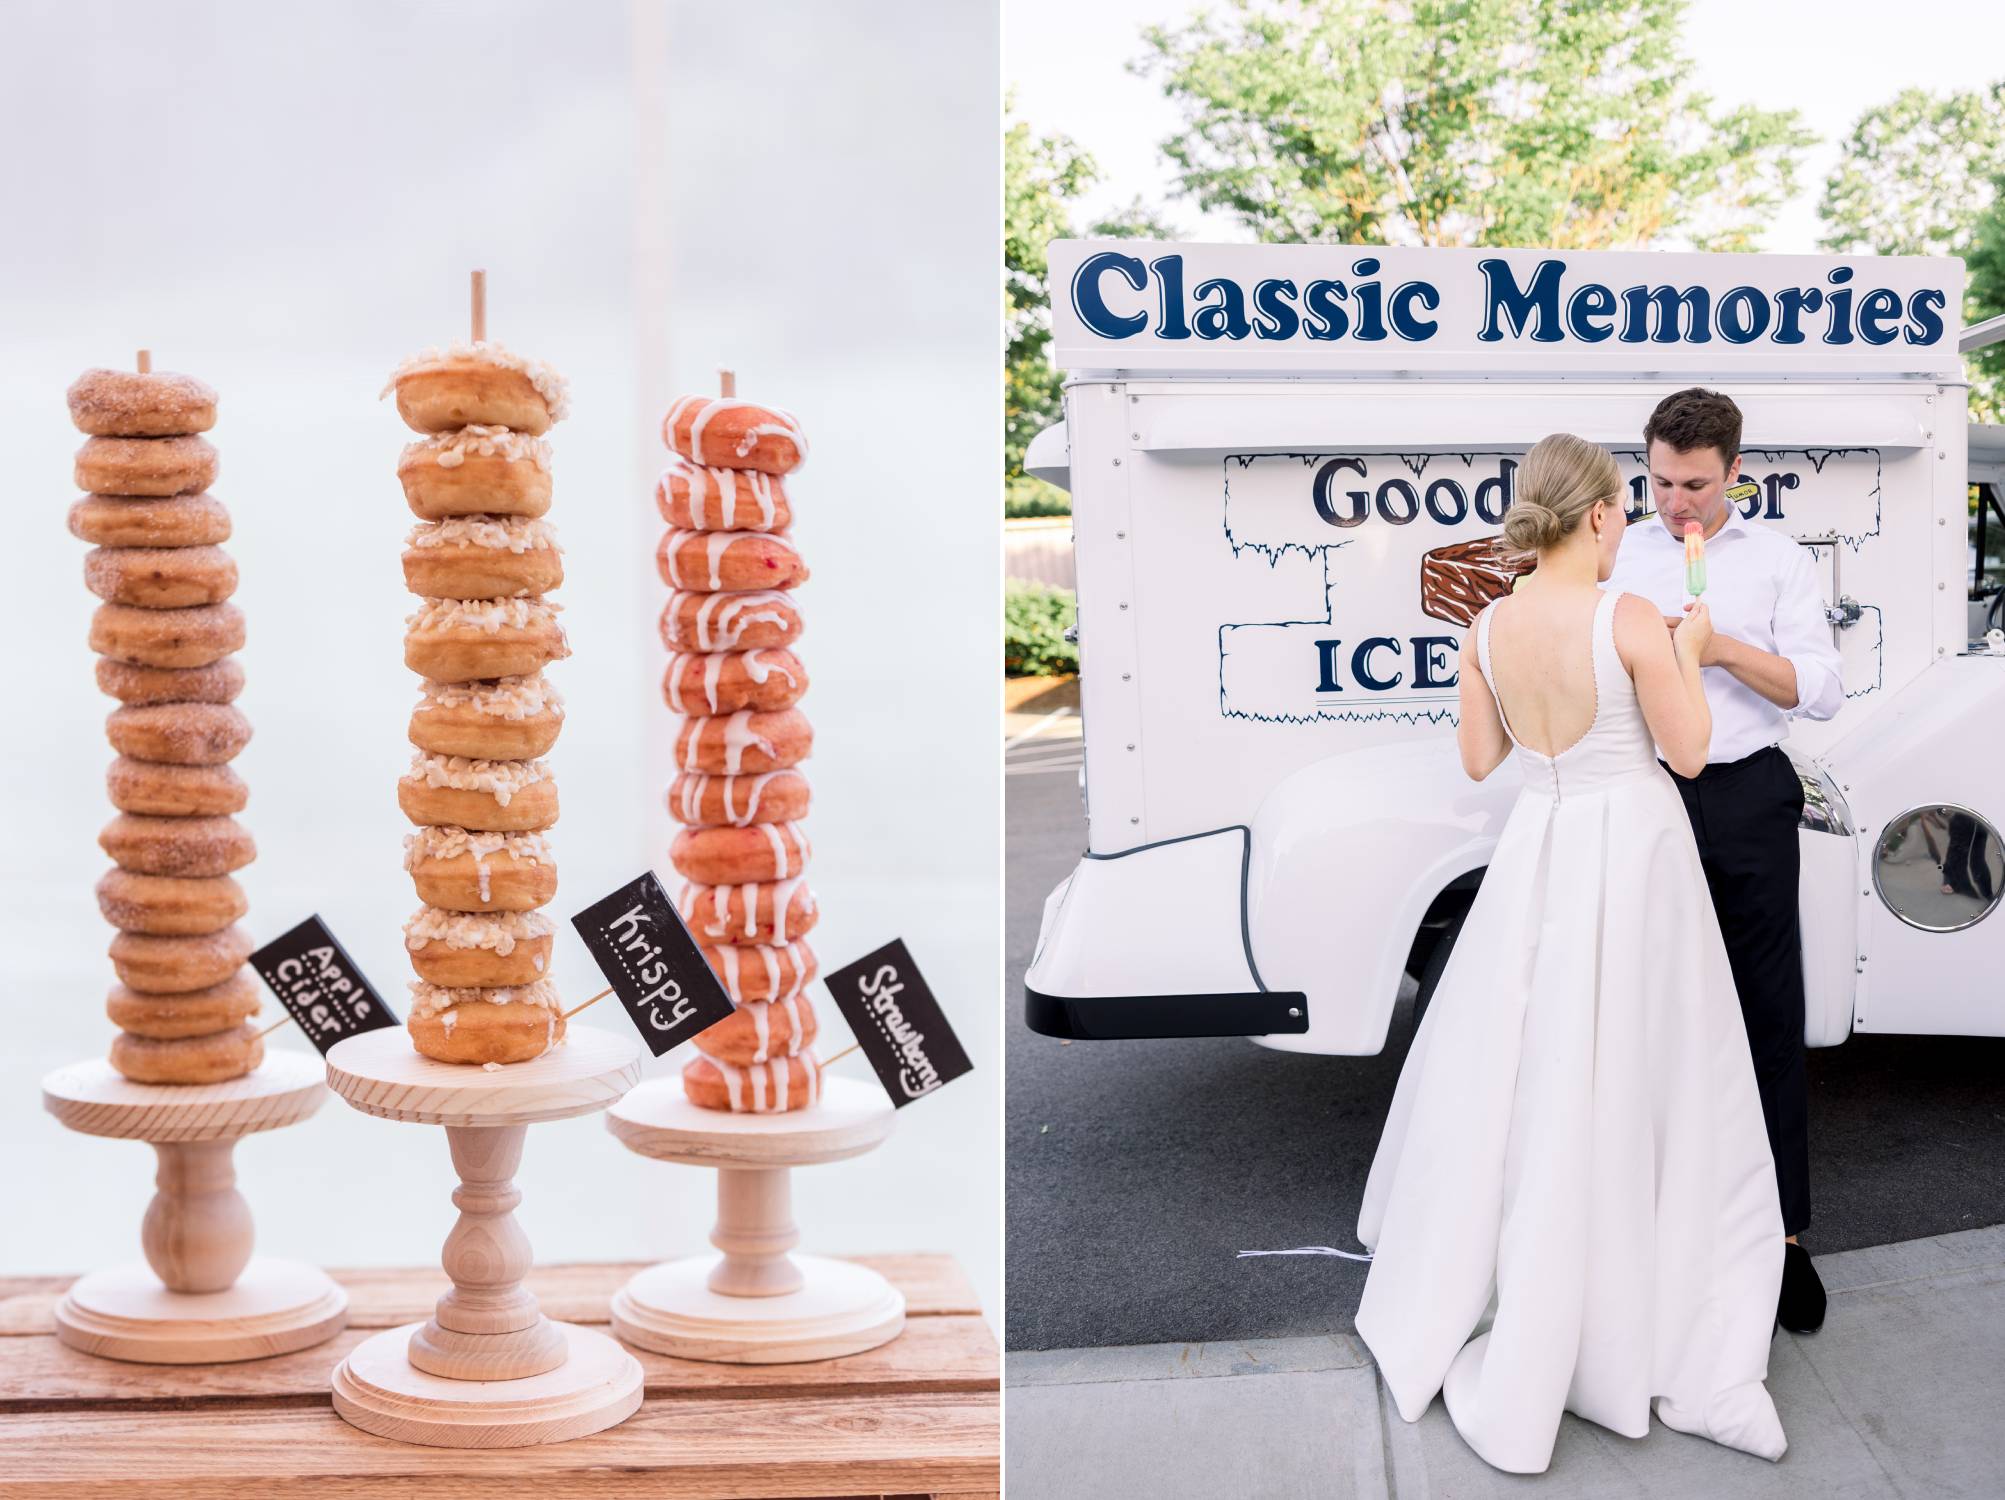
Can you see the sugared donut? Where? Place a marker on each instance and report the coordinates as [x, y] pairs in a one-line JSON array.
[[125, 403], [769, 797], [192, 1059], [727, 434], [463, 640], [476, 471], [694, 498], [191, 637], [178, 734], [157, 965], [218, 682], [763, 973], [738, 856], [499, 796], [477, 950], [729, 561], [168, 791], [765, 1088], [729, 622], [744, 743], [467, 871], [192, 1013], [170, 521], [482, 557], [722, 682], [186, 847], [477, 385], [769, 912], [511, 1024], [512, 718], [160, 577], [758, 1032], [168, 905], [145, 465]]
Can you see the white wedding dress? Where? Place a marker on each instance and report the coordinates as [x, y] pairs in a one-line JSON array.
[[1573, 1206]]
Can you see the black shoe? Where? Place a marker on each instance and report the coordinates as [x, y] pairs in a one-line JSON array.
[[1800, 1309]]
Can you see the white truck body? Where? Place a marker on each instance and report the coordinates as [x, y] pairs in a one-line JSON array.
[[1264, 481]]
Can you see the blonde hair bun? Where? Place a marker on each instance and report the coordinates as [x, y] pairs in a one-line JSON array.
[[1562, 479]]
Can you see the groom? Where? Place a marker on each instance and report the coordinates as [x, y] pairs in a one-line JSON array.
[[1771, 660]]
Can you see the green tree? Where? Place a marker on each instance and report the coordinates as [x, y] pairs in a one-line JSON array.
[[1044, 176], [1916, 174], [1570, 123], [1984, 297]]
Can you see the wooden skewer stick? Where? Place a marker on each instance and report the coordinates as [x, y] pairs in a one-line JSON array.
[[146, 361], [479, 307], [829, 1062], [285, 1020], [583, 1004], [727, 383]]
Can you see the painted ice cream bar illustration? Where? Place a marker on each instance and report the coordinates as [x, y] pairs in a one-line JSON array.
[[1695, 559]]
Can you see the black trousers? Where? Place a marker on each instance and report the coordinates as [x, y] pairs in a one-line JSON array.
[[1744, 815]]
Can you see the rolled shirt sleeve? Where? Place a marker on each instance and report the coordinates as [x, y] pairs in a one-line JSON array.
[[1803, 639]]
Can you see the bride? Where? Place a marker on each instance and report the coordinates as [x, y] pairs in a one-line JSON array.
[[1573, 1206]]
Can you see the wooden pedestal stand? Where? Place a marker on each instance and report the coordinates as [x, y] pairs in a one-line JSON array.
[[205, 1299], [488, 1370], [755, 1303]]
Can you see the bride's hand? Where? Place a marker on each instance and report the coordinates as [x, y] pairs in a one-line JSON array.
[[1694, 633]]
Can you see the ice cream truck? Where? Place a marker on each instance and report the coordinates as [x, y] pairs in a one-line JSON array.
[[1289, 466]]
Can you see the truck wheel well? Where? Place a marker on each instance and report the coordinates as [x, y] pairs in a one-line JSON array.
[[1443, 916]]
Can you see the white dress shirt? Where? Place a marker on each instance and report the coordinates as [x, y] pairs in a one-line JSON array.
[[1761, 588]]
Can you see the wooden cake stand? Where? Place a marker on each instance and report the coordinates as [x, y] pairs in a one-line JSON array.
[[754, 1303], [205, 1299], [488, 1370]]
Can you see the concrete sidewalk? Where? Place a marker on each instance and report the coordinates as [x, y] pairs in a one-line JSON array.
[[1901, 1393]]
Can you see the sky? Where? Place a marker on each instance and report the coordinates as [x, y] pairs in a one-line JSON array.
[[1067, 65]]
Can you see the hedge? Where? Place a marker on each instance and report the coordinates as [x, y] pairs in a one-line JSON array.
[[1035, 617]]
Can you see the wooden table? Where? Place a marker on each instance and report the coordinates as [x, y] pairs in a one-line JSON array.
[[919, 1416]]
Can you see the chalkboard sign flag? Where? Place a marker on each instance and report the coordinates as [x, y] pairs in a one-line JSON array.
[[898, 1023], [637, 939], [319, 985]]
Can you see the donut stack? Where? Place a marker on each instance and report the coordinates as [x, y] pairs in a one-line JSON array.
[[166, 635], [481, 559], [729, 626]]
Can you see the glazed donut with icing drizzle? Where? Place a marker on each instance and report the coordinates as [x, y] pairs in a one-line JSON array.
[[725, 433]]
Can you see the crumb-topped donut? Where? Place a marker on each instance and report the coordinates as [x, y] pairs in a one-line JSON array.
[[744, 742], [694, 498], [507, 718], [768, 912], [463, 640], [729, 622], [145, 465], [200, 1012], [218, 682], [773, 1087], [500, 796], [191, 637], [482, 557], [729, 561], [769, 797], [193, 1059], [476, 471], [159, 965], [169, 521], [179, 734], [467, 871], [169, 905], [496, 1025], [125, 403], [762, 973], [724, 433], [479, 950], [759, 1031], [722, 682], [189, 847], [739, 856], [477, 385], [171, 791], [160, 577]]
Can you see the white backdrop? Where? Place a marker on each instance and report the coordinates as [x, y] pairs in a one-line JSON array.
[[285, 201]]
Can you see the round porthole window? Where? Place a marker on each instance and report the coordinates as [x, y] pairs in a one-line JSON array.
[[1939, 868]]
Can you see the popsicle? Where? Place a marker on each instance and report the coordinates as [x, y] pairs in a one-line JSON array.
[[1695, 559]]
